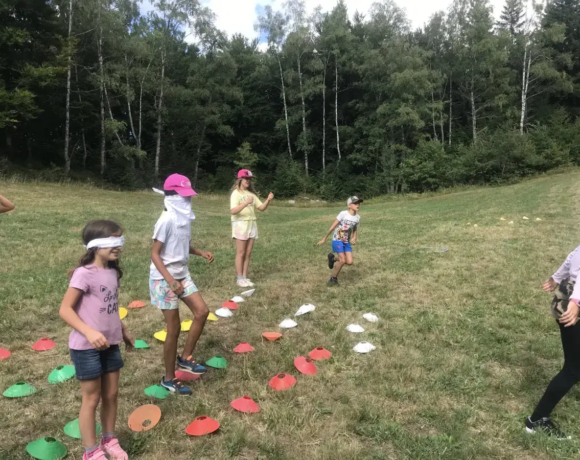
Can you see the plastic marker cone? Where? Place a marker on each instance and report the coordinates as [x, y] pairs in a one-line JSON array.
[[244, 347], [526, 218], [161, 335], [212, 317], [238, 299], [307, 308], [61, 374], [502, 219], [224, 313], [282, 382], [47, 449], [202, 425], [4, 354], [73, 430], [140, 344], [364, 347], [123, 312], [248, 293], [230, 305], [136, 304], [468, 223], [319, 353], [186, 325], [538, 219], [305, 365], [511, 222], [186, 376], [271, 336], [475, 225], [19, 390], [44, 345], [371, 317], [288, 324], [355, 328], [245, 404], [217, 362], [157, 391], [144, 418]]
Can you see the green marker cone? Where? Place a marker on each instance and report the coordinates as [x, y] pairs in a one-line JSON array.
[[217, 362], [73, 430], [61, 374], [19, 390], [141, 344], [47, 449], [157, 391]]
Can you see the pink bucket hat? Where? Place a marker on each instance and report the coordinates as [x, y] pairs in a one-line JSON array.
[[245, 174], [179, 184]]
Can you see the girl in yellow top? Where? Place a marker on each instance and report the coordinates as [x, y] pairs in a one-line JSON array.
[[243, 204]]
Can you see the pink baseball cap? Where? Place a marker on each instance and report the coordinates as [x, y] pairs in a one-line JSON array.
[[245, 174], [179, 184]]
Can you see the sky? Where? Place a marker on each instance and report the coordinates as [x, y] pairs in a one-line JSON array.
[[234, 16]]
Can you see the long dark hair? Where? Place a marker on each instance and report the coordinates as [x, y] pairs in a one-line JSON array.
[[238, 183], [99, 229]]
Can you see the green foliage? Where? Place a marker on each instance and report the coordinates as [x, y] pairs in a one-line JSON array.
[[245, 158]]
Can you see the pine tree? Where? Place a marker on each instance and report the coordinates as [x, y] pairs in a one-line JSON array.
[[512, 17]]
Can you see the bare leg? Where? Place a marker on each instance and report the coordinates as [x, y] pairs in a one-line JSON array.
[[170, 345], [200, 312], [91, 394], [240, 255], [249, 248], [109, 391], [338, 264]]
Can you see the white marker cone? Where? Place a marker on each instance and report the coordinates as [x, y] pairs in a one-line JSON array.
[[371, 317], [511, 222], [364, 347], [238, 299], [538, 219], [224, 312], [526, 218], [248, 293], [288, 324], [307, 308], [354, 328]]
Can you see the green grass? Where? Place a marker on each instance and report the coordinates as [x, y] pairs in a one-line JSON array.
[[465, 344]]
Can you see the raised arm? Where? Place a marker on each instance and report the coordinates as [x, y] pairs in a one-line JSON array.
[[265, 204]]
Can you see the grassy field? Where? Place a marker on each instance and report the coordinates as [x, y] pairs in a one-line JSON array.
[[465, 343]]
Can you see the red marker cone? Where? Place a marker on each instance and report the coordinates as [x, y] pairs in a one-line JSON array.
[[230, 305], [44, 345], [282, 382], [136, 304], [271, 336], [244, 347], [305, 365], [320, 353], [245, 404], [202, 425], [4, 354], [186, 376]]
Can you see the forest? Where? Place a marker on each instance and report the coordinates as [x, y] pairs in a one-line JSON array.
[[326, 103]]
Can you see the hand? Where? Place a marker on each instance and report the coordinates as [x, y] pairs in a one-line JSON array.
[[207, 256], [353, 241], [249, 200], [571, 316], [176, 286], [550, 285], [270, 196], [129, 341], [97, 340], [321, 242]]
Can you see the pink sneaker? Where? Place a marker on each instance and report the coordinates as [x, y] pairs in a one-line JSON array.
[[96, 455], [113, 449]]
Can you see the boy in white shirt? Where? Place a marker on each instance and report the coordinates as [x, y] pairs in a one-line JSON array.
[[345, 229]]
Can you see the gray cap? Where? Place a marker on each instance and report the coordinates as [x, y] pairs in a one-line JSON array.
[[354, 199]]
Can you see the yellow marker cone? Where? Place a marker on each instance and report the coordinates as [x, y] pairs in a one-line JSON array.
[[538, 219], [474, 225], [161, 335], [511, 223], [468, 223], [123, 312], [212, 317], [502, 218], [526, 218], [186, 325]]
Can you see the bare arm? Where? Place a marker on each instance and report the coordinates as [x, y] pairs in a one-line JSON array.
[[330, 230], [205, 254], [5, 205], [160, 266], [238, 208], [354, 236], [70, 316], [266, 203]]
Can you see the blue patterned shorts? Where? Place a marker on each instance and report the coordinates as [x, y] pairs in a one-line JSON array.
[[162, 295]]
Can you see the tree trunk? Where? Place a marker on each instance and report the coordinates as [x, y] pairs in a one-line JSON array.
[[68, 74], [111, 113], [450, 107], [324, 121], [473, 115], [141, 105], [285, 106], [198, 153], [525, 86], [129, 110], [304, 133], [433, 116], [336, 107], [159, 108], [102, 91], [82, 125]]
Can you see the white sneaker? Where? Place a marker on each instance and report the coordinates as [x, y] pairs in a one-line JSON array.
[[250, 284], [244, 283]]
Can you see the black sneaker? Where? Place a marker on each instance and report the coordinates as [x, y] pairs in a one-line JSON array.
[[545, 425], [332, 282], [331, 260]]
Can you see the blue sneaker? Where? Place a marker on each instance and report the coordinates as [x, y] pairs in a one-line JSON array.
[[175, 386], [190, 365]]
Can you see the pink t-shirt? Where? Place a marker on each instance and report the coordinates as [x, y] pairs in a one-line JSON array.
[[98, 306]]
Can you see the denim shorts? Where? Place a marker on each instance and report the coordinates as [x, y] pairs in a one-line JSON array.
[[340, 247], [91, 364]]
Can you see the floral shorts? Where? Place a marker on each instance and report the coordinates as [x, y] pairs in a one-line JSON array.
[[244, 230], [162, 295]]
